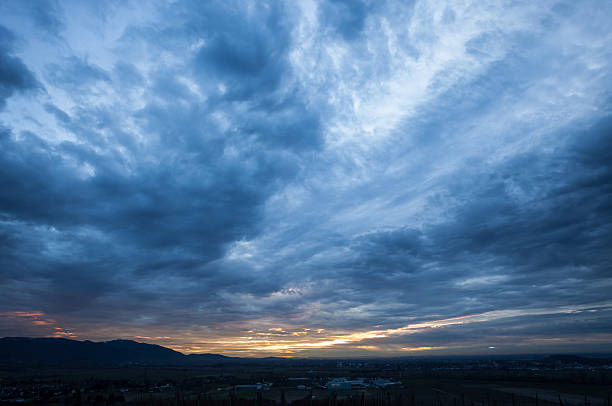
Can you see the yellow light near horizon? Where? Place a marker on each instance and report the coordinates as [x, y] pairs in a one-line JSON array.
[[420, 348], [287, 340]]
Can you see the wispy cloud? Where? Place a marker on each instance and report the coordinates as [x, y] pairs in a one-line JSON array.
[[327, 178]]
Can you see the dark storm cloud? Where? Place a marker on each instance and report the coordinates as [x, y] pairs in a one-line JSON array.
[[249, 58], [101, 219], [199, 165], [495, 250], [14, 75]]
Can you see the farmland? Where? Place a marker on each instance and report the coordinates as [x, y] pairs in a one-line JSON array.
[[307, 382]]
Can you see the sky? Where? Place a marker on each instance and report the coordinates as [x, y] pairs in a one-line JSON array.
[[307, 178]]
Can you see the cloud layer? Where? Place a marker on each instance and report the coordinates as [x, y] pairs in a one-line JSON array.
[[330, 178]]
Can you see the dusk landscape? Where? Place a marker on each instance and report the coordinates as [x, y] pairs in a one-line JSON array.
[[308, 203]]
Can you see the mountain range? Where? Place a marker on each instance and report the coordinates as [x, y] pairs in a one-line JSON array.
[[49, 351], [26, 351]]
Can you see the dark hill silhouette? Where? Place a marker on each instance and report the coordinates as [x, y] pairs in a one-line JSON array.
[[38, 351], [209, 357]]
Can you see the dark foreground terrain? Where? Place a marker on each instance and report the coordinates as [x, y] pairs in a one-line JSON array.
[[159, 377]]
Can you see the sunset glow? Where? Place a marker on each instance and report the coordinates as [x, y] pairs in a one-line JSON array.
[[347, 178]]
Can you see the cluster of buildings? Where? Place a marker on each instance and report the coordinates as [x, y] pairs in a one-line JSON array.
[[361, 383], [332, 384], [255, 386]]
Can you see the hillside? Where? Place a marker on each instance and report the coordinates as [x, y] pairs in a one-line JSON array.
[[45, 351]]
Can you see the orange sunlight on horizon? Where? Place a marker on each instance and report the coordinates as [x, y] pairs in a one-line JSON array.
[[285, 341]]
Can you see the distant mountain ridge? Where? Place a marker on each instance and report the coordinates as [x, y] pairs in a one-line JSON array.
[[25, 351], [34, 351]]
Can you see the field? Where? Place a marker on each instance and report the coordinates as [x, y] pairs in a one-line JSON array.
[[305, 383]]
